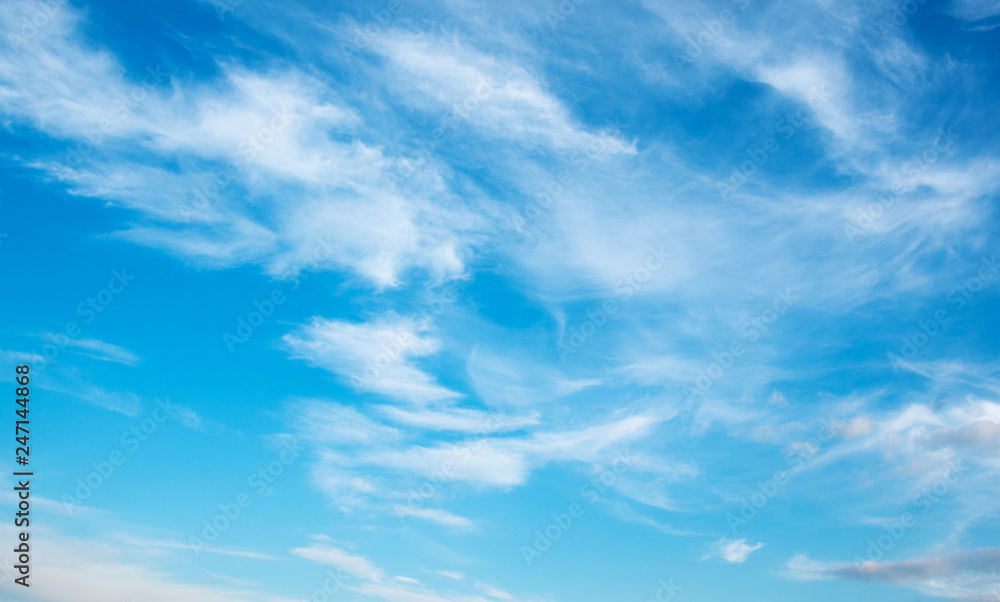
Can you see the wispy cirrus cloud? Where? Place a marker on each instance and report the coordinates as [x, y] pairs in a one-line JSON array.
[[374, 583], [966, 575], [358, 566], [436, 515], [734, 551], [103, 351], [376, 356]]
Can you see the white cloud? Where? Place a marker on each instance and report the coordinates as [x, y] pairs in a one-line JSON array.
[[374, 584], [504, 462], [858, 427], [327, 422], [100, 350], [520, 376], [275, 139], [365, 466], [823, 86], [495, 95], [458, 419], [359, 566], [375, 356], [734, 551], [493, 592], [975, 10], [456, 575], [436, 515], [487, 462], [97, 571]]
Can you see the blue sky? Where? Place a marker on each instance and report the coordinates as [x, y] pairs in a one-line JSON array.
[[534, 301]]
